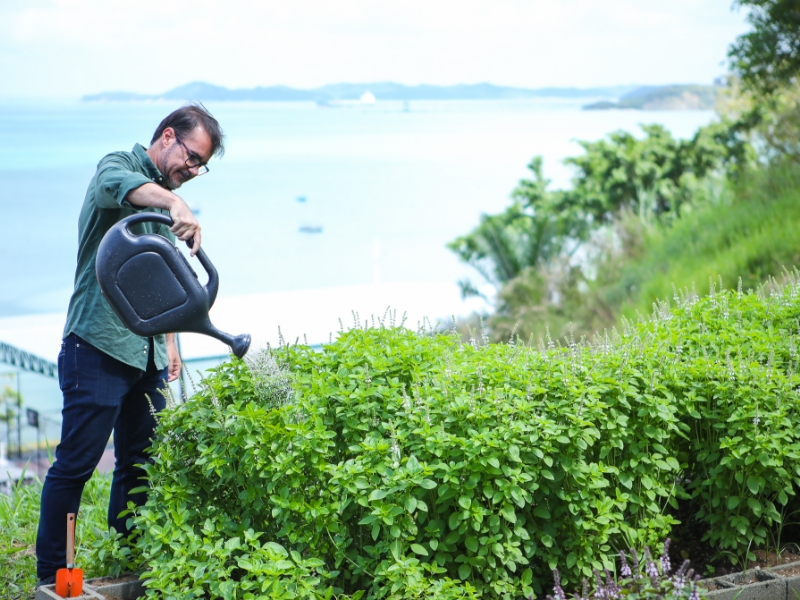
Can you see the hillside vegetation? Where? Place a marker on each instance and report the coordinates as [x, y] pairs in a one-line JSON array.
[[648, 213], [645, 214]]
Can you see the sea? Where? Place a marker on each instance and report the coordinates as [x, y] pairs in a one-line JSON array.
[[305, 197]]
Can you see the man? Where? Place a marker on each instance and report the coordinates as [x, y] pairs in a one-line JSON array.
[[104, 370]]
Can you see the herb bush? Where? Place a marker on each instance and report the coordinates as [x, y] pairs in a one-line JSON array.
[[395, 463]]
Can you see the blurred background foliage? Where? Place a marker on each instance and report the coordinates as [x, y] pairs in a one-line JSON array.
[[647, 214]]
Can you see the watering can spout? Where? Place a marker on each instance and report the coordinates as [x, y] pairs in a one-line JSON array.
[[239, 344], [152, 287]]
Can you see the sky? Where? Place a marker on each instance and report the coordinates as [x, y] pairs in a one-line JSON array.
[[68, 48]]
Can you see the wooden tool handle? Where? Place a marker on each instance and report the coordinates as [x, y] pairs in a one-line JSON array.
[[70, 540]]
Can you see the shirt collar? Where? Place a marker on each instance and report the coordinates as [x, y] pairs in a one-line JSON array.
[[151, 170]]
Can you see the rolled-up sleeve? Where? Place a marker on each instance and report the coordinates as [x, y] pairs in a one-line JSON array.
[[116, 176]]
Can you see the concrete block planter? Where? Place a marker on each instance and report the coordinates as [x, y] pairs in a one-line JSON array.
[[48, 592], [791, 574], [753, 584], [126, 587]]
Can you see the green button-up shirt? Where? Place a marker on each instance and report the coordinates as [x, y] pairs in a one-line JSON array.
[[90, 315]]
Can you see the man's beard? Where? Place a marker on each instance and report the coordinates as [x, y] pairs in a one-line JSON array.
[[171, 182]]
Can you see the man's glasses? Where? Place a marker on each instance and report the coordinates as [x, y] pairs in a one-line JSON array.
[[194, 161]]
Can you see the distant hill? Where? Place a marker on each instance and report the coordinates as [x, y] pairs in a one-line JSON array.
[[668, 97], [353, 91]]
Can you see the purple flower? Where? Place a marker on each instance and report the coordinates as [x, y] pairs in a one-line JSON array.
[[679, 579], [694, 595], [666, 567], [557, 589], [625, 571], [635, 561], [611, 586], [600, 593], [652, 570]]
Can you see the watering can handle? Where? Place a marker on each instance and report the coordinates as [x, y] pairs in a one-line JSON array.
[[212, 287]]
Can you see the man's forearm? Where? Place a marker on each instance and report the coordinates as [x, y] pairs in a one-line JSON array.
[[184, 225], [153, 195]]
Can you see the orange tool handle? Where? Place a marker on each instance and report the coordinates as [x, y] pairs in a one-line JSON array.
[[70, 540]]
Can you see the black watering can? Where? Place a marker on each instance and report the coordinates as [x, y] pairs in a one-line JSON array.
[[151, 286]]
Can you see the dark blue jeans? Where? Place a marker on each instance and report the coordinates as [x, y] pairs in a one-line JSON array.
[[101, 395]]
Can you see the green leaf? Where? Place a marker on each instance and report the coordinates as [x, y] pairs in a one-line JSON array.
[[572, 558], [471, 543], [396, 549], [527, 576], [541, 512], [417, 549], [378, 494], [464, 571], [733, 502], [454, 520], [507, 512], [428, 484]]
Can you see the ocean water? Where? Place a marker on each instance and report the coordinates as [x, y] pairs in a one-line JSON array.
[[386, 188]]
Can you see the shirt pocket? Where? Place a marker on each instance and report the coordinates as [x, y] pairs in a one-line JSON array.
[[68, 366]]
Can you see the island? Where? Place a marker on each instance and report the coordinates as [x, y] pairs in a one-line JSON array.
[[668, 97], [344, 92]]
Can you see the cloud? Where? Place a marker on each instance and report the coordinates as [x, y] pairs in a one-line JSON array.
[[71, 47]]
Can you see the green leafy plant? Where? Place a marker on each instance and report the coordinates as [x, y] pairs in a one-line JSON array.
[[407, 462]]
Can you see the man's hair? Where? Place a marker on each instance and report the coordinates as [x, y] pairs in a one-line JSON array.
[[186, 119]]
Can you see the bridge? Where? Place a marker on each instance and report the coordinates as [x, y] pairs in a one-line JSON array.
[[27, 361]]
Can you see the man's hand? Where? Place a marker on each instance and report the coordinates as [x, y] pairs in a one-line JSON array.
[[174, 358], [185, 225]]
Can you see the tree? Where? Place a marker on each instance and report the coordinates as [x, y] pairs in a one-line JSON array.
[[768, 57], [651, 176]]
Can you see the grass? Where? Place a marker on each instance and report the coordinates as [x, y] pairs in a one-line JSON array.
[[752, 235], [19, 519]]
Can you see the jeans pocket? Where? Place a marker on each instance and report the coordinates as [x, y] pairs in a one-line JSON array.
[[68, 365]]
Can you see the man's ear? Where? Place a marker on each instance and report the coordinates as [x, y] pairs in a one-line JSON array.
[[167, 136]]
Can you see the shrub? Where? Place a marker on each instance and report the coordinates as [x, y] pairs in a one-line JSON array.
[[408, 464]]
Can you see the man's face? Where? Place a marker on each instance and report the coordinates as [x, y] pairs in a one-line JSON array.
[[177, 150]]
